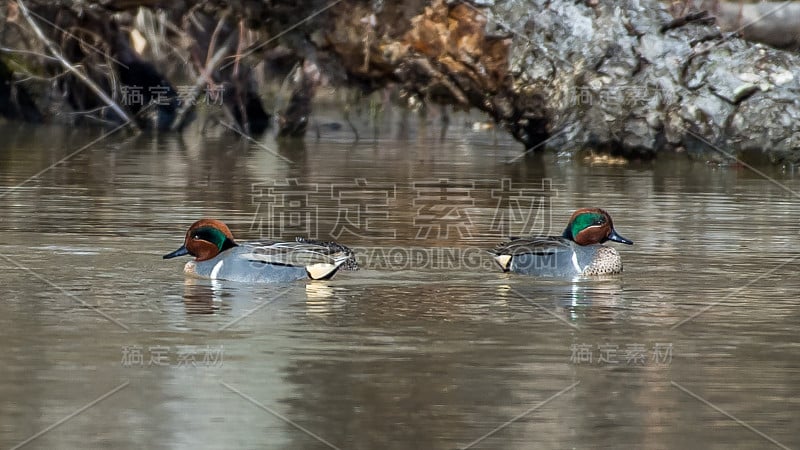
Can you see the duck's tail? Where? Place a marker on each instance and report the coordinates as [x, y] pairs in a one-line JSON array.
[[504, 261], [342, 258]]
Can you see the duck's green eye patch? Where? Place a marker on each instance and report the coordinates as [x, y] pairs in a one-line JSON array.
[[212, 235], [586, 220]]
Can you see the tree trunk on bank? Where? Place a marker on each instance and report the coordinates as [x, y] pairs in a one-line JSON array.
[[620, 76], [616, 77]]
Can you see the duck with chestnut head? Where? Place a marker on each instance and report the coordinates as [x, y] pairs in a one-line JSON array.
[[579, 251], [218, 256]]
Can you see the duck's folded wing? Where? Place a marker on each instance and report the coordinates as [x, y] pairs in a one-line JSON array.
[[288, 253], [506, 251], [320, 261]]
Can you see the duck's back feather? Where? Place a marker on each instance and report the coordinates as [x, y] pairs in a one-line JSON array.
[[537, 245]]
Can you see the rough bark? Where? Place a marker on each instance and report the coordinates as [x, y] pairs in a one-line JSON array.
[[619, 76], [443, 54], [613, 79]]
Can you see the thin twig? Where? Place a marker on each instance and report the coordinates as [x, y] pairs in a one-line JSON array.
[[203, 78], [26, 52], [214, 36]]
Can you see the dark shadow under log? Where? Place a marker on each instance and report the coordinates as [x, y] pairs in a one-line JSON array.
[[15, 101], [156, 106]]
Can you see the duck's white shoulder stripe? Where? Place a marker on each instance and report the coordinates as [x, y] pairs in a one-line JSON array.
[[575, 262], [216, 269]]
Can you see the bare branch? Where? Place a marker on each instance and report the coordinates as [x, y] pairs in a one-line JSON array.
[[69, 66]]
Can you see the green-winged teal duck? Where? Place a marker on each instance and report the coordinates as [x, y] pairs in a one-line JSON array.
[[218, 256], [577, 252]]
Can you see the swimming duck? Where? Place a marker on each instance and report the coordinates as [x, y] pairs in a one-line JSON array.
[[577, 252], [218, 256]]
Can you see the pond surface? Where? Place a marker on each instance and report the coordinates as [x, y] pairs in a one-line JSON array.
[[104, 344]]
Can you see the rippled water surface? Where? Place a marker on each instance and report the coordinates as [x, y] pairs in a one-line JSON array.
[[104, 344]]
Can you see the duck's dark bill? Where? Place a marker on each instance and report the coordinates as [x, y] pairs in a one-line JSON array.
[[179, 252], [613, 237]]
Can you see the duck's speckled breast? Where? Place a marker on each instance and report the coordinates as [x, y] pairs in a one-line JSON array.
[[604, 261]]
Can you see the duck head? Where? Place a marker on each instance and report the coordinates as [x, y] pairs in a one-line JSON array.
[[205, 239], [592, 226]]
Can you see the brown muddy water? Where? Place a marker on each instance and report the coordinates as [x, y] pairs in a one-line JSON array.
[[429, 346]]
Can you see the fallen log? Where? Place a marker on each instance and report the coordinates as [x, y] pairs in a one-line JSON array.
[[624, 77], [612, 79]]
